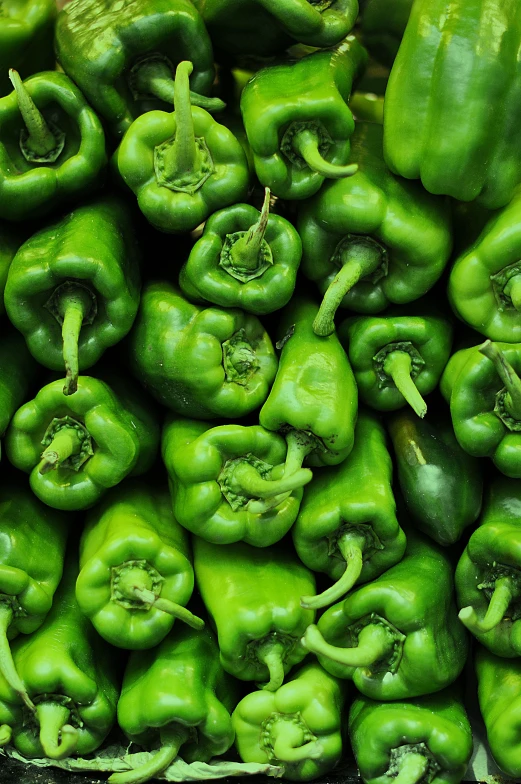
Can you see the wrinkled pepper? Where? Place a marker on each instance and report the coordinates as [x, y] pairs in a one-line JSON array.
[[52, 146], [398, 636], [299, 726], [347, 525], [200, 362], [9, 244], [26, 38], [382, 25], [73, 287], [17, 372], [372, 239], [228, 483], [75, 448], [253, 598]]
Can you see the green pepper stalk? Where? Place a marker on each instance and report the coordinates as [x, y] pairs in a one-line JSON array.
[[153, 77], [245, 253], [509, 377], [171, 739], [38, 143]]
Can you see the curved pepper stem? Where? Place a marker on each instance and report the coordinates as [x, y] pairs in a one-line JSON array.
[[167, 606], [300, 445], [7, 667], [73, 307], [40, 139], [172, 738], [412, 769], [351, 547], [374, 643], [246, 251], [358, 260], [287, 741], [513, 290], [507, 375], [306, 143], [398, 366], [250, 482], [6, 733], [154, 77], [504, 592], [65, 443], [58, 739], [271, 653]]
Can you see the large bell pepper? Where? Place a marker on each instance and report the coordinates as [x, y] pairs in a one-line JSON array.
[[26, 38], [372, 239], [298, 727], [17, 371], [253, 598], [398, 636], [9, 244], [75, 448], [228, 483], [52, 146], [200, 362], [73, 287], [347, 525]]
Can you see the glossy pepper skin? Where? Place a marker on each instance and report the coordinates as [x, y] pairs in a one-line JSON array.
[[444, 87], [200, 362], [424, 737], [26, 38], [71, 677], [228, 482], [244, 259], [73, 287], [397, 357], [298, 727], [178, 694], [9, 244], [398, 636], [298, 122], [136, 571], [372, 239], [347, 525], [17, 372], [124, 57], [441, 484], [75, 448], [253, 598], [45, 166]]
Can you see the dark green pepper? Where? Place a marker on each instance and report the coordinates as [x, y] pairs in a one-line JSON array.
[[17, 372], [9, 244]]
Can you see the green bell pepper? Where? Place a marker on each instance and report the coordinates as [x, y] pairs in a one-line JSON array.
[[200, 362], [73, 287], [75, 448], [228, 483], [453, 100], [397, 357], [253, 598], [17, 372], [178, 694], [52, 146], [441, 484], [424, 739], [9, 244], [382, 25], [244, 259], [298, 122], [298, 727], [182, 165], [26, 38], [372, 239], [398, 636]]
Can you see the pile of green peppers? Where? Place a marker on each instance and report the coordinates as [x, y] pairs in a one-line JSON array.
[[260, 385]]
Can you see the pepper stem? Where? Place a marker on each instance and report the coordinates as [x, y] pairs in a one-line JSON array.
[[374, 642], [270, 653], [5, 734], [398, 365], [358, 260], [40, 140], [287, 741], [507, 375], [184, 153], [503, 594], [73, 307], [306, 144], [248, 480], [172, 738], [513, 290], [412, 769], [300, 444], [154, 77], [7, 667], [58, 739], [245, 252], [351, 547], [167, 606], [65, 443]]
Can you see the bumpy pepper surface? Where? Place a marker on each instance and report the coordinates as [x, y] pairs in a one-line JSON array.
[[17, 371], [26, 38]]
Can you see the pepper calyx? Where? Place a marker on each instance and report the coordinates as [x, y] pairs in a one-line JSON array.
[[400, 753], [129, 574], [286, 737], [239, 359], [75, 460]]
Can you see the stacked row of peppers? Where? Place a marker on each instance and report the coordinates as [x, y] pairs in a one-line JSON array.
[[261, 475]]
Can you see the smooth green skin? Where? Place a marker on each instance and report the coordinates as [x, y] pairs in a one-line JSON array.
[[472, 293], [26, 38], [364, 336], [134, 522], [124, 432], [266, 27], [367, 107], [65, 656], [314, 389], [98, 42], [204, 280], [470, 384], [313, 700], [496, 542], [30, 190], [357, 495], [416, 597], [499, 694], [94, 245], [383, 24], [446, 83], [9, 244], [441, 484], [253, 595], [413, 225], [438, 720], [179, 682], [17, 372], [175, 351], [315, 90], [194, 455]]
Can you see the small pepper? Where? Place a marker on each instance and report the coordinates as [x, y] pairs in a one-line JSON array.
[[26, 38], [17, 372]]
